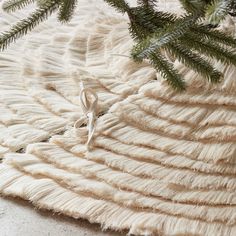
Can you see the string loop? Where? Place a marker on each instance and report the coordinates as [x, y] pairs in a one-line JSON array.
[[88, 101]]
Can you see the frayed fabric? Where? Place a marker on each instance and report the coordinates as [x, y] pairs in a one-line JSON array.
[[161, 163]]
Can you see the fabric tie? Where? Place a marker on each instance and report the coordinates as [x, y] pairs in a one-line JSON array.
[[89, 107]]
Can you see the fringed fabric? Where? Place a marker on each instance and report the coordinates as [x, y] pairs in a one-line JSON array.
[[161, 163]]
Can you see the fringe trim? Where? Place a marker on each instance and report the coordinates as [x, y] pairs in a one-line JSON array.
[[82, 185], [45, 193], [152, 187], [157, 91], [207, 152], [155, 156]]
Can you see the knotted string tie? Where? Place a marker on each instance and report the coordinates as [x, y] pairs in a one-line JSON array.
[[89, 107]]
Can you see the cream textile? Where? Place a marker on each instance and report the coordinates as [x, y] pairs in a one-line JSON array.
[[161, 164]]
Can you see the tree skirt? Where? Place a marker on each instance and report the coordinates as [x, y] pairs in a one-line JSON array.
[[161, 162]]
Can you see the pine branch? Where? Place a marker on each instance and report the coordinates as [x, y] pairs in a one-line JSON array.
[[217, 11], [13, 5], [66, 10], [214, 35], [143, 3], [152, 20], [209, 48], [195, 62], [167, 71], [145, 21], [194, 6], [24, 26], [147, 3], [120, 5], [159, 39]]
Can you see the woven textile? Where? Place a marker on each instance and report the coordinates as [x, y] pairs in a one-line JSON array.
[[161, 163]]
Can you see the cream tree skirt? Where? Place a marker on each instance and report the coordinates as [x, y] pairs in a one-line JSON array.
[[161, 163]]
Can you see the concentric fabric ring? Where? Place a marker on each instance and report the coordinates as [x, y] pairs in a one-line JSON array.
[[162, 163]]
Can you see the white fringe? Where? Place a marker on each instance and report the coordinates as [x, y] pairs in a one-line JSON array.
[[49, 195], [163, 163], [81, 185]]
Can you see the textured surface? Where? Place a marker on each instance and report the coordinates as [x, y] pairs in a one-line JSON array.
[[161, 163], [18, 218]]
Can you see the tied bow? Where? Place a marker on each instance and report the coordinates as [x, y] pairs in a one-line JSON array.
[[89, 109]]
